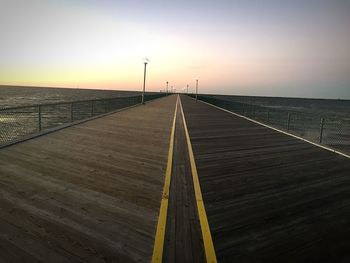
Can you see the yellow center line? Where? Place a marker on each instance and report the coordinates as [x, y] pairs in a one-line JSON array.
[[207, 239], [160, 234]]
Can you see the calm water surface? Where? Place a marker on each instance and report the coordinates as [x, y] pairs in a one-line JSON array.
[[11, 96]]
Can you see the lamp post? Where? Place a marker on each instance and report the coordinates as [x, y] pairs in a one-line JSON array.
[[187, 88], [145, 61], [196, 89], [167, 87]]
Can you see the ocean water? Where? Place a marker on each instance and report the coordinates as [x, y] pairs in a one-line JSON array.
[[12, 96], [326, 107]]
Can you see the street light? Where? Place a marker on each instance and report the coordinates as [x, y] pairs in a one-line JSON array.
[[196, 88], [167, 87], [145, 61], [187, 88]]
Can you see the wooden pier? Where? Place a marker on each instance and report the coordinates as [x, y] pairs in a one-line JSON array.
[[174, 180]]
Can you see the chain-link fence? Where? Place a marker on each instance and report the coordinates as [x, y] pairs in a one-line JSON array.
[[19, 122], [329, 130]]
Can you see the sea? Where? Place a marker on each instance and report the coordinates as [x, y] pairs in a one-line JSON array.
[[15, 96]]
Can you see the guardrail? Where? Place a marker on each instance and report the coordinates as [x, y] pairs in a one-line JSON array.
[[18, 122], [328, 130]]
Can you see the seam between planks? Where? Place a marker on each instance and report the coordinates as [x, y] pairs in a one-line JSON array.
[[205, 228], [287, 133], [161, 226]]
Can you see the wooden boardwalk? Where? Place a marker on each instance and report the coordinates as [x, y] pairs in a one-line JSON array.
[[269, 197], [97, 191], [87, 193]]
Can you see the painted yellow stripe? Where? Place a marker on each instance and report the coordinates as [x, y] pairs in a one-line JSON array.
[[207, 239], [160, 234]]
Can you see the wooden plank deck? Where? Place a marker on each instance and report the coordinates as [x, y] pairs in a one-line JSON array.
[[87, 193], [269, 197]]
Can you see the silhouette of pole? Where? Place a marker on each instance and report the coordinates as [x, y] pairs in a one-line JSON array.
[[187, 88], [167, 86], [144, 81], [196, 89]]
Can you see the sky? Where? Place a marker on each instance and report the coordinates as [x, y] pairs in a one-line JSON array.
[[298, 48]]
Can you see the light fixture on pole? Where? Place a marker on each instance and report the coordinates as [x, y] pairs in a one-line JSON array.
[[196, 88], [145, 61]]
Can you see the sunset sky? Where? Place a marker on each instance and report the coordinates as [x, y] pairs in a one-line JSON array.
[[274, 47]]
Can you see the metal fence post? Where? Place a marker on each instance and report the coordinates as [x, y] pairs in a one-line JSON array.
[[321, 129], [71, 112], [39, 117], [288, 122]]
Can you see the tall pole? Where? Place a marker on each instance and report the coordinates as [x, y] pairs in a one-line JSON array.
[[167, 87], [144, 84], [321, 130], [196, 89], [187, 88]]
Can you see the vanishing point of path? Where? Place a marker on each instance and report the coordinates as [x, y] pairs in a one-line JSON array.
[[174, 180]]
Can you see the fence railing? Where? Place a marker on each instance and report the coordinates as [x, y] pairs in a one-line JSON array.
[[329, 130], [18, 122]]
